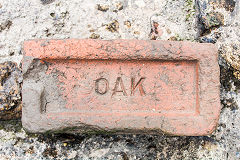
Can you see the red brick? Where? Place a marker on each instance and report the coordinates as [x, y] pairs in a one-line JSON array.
[[121, 85]]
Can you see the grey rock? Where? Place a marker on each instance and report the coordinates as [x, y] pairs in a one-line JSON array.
[[10, 91]]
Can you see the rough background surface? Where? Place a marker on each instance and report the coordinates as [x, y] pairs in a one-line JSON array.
[[206, 21]]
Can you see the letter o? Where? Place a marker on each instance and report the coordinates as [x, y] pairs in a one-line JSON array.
[[104, 91]]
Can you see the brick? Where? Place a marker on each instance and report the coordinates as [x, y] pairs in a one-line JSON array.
[[131, 86]]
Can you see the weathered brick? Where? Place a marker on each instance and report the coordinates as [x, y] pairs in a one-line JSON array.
[[120, 85]]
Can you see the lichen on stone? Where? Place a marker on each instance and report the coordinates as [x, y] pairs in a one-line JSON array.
[[190, 10]]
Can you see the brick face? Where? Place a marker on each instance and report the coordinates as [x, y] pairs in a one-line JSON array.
[[120, 85]]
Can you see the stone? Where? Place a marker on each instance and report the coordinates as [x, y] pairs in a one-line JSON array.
[[212, 19], [102, 8], [119, 7], [47, 1], [120, 86], [10, 91], [230, 53], [229, 5], [94, 36], [155, 31], [5, 25], [113, 27]]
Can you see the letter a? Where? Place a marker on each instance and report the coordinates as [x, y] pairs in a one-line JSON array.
[[119, 81]]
